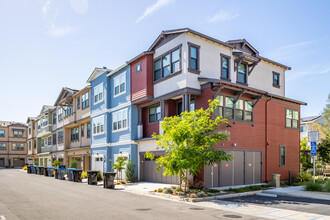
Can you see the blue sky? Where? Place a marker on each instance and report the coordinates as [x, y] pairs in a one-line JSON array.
[[47, 45]]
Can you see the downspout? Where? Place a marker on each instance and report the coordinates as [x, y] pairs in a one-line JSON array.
[[266, 138]]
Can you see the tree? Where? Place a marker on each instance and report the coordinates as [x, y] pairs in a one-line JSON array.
[[73, 164], [305, 156], [323, 150], [56, 163], [130, 171], [189, 141], [326, 111], [119, 166]]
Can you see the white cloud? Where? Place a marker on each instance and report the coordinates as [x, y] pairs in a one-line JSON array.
[[60, 31], [152, 8], [79, 6], [223, 16], [45, 8]]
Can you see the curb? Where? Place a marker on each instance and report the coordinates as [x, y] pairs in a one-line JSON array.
[[293, 195], [180, 198]]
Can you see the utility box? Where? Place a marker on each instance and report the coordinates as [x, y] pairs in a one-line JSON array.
[[276, 180]]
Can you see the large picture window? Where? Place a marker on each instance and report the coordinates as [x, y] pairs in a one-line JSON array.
[[120, 84], [119, 120], [292, 118], [98, 93], [154, 113], [18, 134], [98, 125]]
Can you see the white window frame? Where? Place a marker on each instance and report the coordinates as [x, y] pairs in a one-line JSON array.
[[117, 113], [101, 90], [98, 118], [114, 86]]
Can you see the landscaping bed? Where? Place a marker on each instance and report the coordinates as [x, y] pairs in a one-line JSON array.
[[319, 185]]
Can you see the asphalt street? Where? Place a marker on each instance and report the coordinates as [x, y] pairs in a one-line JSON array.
[[30, 196]]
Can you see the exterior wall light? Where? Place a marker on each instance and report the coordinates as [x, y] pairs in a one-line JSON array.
[[234, 144]]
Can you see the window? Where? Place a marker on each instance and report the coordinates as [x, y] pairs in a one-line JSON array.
[[54, 138], [225, 65], [98, 93], [98, 125], [85, 100], [17, 146], [219, 111], [292, 117], [241, 73], [138, 67], [75, 134], [239, 108], [82, 130], [34, 144], [30, 130], [276, 79], [193, 58], [243, 109], [18, 134], [88, 130], [282, 155], [303, 128], [167, 64], [248, 111], [2, 133], [39, 124], [60, 137], [154, 114], [68, 110], [42, 141], [119, 120], [59, 116], [191, 107], [49, 140], [54, 118], [120, 84], [29, 145], [78, 102], [229, 110], [2, 146]]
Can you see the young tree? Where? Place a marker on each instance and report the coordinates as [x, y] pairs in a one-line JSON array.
[[305, 156], [130, 172], [56, 163], [73, 164], [326, 111], [323, 150], [119, 166], [189, 141]]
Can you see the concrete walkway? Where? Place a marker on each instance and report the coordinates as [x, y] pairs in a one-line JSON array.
[[298, 191], [143, 187]]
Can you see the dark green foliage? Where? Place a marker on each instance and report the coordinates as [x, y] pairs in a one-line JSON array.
[[56, 163], [323, 150], [303, 177], [99, 176], [130, 171], [313, 186], [73, 164]]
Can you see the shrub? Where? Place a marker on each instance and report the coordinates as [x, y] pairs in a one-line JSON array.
[[313, 187], [84, 175], [25, 167], [173, 187], [327, 186], [196, 184], [56, 163], [73, 164], [36, 162], [193, 196], [318, 165], [130, 171], [167, 191], [160, 190], [303, 177], [246, 189], [201, 194], [99, 176]]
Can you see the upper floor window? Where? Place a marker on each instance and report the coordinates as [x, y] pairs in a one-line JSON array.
[[2, 146], [34, 144], [276, 79], [68, 110], [191, 107], [30, 130], [292, 117], [75, 134], [49, 141], [154, 113], [98, 125], [82, 130], [88, 130], [60, 137], [303, 128], [120, 84], [54, 118], [17, 146], [78, 102], [225, 65], [138, 67], [119, 120], [18, 134], [241, 110], [54, 138], [98, 93], [241, 73], [167, 64], [85, 100], [193, 58], [60, 114], [2, 133], [29, 145]]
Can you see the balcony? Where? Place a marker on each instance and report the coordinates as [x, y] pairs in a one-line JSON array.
[[44, 131]]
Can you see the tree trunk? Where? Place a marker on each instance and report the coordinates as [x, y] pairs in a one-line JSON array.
[[180, 179], [186, 182]]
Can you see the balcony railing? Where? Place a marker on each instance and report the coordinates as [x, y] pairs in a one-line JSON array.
[[44, 130]]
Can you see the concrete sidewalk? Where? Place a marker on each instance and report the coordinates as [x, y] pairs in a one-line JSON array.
[[298, 191]]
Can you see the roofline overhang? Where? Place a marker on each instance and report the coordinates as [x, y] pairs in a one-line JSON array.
[[95, 71], [139, 56], [116, 70]]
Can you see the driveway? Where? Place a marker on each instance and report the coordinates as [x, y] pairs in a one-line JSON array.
[[30, 196]]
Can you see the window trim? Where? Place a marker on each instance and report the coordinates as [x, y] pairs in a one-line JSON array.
[[298, 120], [152, 106], [117, 112], [160, 57], [92, 126], [114, 87], [99, 100], [198, 70], [229, 65], [136, 65], [283, 165], [278, 74], [246, 74]]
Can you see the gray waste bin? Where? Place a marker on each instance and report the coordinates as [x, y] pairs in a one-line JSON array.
[[276, 180], [51, 171], [69, 173], [33, 169], [92, 177], [109, 180], [36, 170], [61, 173], [77, 175]]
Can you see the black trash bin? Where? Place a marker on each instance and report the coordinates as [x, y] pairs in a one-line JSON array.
[[77, 175], [45, 171], [56, 173], [51, 171], [36, 170], [40, 170], [61, 172], [29, 170], [33, 169], [109, 180], [69, 173], [92, 177]]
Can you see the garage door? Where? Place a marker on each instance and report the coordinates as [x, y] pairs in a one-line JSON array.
[[148, 173], [2, 162], [19, 162], [244, 169]]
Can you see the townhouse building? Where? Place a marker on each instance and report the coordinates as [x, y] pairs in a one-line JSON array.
[[182, 70], [13, 149], [31, 140], [114, 121]]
